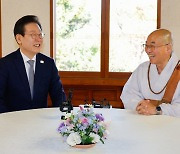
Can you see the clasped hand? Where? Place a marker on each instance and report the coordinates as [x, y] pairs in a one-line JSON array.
[[146, 108]]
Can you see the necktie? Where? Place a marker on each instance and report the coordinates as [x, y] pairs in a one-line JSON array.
[[31, 76]]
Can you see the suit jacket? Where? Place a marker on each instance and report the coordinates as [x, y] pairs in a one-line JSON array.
[[14, 86]]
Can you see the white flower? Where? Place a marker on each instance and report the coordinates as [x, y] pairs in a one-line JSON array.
[[106, 133], [73, 139], [67, 115], [96, 137], [102, 123]]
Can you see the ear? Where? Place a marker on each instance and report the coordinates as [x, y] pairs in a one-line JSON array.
[[19, 38], [169, 48]]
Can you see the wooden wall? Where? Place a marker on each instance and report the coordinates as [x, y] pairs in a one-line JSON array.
[[95, 88], [98, 93]]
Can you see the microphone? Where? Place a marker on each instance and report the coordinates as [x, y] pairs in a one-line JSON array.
[[67, 106]]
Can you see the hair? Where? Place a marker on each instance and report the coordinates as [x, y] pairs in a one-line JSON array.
[[20, 24]]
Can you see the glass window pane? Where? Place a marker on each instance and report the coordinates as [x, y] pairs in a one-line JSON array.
[[78, 31], [130, 23]]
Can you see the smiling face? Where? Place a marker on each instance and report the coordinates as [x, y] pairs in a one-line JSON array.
[[30, 45], [159, 47]]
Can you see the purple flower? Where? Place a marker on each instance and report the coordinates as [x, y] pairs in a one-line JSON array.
[[63, 129], [60, 126], [82, 128], [99, 117]]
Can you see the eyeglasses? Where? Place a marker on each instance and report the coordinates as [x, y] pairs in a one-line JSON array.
[[152, 47], [33, 35]]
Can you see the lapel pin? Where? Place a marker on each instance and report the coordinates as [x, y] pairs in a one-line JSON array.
[[42, 61]]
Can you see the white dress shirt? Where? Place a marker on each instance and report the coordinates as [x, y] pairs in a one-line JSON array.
[[27, 66]]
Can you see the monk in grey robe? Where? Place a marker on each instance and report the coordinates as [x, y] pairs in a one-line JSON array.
[[149, 80]]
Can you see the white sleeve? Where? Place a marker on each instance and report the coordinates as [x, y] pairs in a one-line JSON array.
[[131, 94]]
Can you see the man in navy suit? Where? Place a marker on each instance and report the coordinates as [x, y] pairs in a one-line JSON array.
[[15, 91]]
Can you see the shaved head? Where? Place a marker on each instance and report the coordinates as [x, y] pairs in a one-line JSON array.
[[160, 47], [162, 36]]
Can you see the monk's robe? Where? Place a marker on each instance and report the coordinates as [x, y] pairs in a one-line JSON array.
[[137, 88]]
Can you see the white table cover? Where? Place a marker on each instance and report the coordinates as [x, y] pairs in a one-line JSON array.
[[35, 132]]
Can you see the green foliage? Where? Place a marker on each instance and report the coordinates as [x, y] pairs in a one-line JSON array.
[[87, 139], [72, 17], [79, 53], [74, 50]]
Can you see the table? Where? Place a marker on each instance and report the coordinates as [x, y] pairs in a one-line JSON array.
[[35, 132]]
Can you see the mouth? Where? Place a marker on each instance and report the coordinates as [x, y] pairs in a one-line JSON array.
[[37, 45], [151, 56]]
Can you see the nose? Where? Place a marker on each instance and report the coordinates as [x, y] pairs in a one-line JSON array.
[[148, 50]]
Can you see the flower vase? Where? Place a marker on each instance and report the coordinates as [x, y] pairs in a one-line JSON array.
[[84, 146]]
